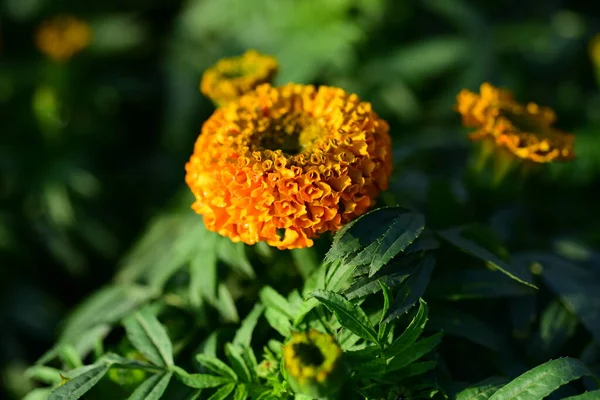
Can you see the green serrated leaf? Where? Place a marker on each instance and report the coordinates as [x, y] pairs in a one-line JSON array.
[[80, 381], [152, 388], [243, 336], [454, 236], [271, 299], [542, 380], [414, 369], [250, 360], [482, 390], [241, 392], [349, 315], [412, 289], [200, 381], [106, 306], [149, 337], [411, 333], [390, 231], [234, 355], [392, 275], [223, 392], [278, 321], [215, 365], [414, 352]]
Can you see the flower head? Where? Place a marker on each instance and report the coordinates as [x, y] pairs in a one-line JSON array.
[[62, 37], [314, 364], [294, 160], [231, 77], [524, 130]]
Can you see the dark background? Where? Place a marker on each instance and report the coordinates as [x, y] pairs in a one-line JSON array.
[[92, 148]]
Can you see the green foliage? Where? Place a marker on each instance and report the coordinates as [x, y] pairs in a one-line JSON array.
[[450, 287]]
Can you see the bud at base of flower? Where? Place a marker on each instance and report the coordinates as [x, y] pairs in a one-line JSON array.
[[314, 364]]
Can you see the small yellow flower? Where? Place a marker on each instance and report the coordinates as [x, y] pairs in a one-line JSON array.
[[526, 131], [62, 37], [314, 363], [285, 164], [232, 77]]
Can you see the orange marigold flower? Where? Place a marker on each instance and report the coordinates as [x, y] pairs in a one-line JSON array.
[[62, 37], [294, 160], [232, 77], [525, 130]]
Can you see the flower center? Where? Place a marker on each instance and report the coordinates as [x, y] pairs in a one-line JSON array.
[[291, 135], [524, 122], [309, 354]]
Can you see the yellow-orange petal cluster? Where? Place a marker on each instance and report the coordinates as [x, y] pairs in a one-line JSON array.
[[284, 164], [231, 77], [62, 37], [525, 130]]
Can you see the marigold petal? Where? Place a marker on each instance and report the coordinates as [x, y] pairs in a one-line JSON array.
[[292, 158]]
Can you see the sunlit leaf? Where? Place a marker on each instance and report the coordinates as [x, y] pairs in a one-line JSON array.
[[152, 388], [542, 380], [349, 315]]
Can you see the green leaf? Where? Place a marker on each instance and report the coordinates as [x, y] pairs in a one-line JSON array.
[[243, 336], [170, 243], [414, 352], [557, 325], [392, 275], [476, 284], [542, 380], [241, 392], [455, 237], [593, 395], [215, 365], [223, 392], [234, 355], [349, 315], [271, 299], [376, 237], [44, 374], [152, 388], [226, 305], [106, 306], [411, 333], [203, 272], [81, 380], [234, 255], [250, 361], [149, 337], [413, 369], [278, 321], [412, 289], [577, 287], [482, 390], [200, 381], [456, 322]]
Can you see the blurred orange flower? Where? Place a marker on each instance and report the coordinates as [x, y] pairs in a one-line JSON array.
[[526, 131], [231, 77], [62, 37], [285, 164]]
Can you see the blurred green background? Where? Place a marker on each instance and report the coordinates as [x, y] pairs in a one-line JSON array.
[[92, 149]]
